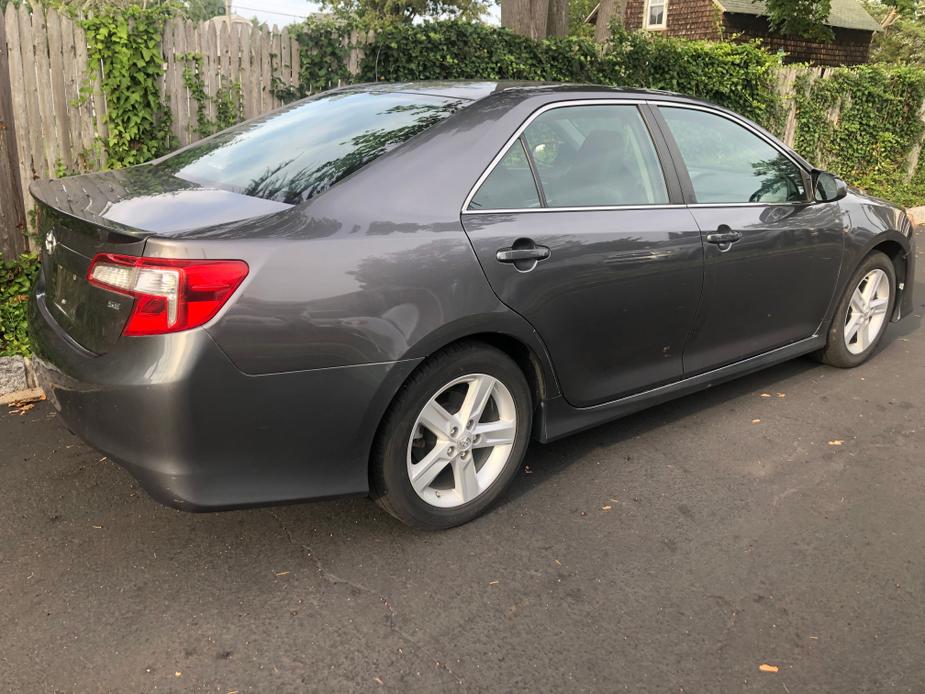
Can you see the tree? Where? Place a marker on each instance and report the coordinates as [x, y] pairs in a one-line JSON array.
[[526, 17], [608, 12], [903, 37], [201, 10], [406, 11], [806, 18], [557, 19]]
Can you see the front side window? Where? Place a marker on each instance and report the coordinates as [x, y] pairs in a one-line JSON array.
[[656, 14], [301, 151], [598, 155], [728, 163]]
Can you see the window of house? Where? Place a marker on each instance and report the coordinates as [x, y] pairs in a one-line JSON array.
[[656, 14]]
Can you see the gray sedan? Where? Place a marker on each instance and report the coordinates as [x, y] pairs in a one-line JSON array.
[[391, 289]]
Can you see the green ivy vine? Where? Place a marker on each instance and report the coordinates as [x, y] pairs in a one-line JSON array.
[[228, 102], [862, 123], [126, 40], [16, 278]]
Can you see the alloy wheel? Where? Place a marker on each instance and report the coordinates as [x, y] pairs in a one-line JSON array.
[[866, 314], [462, 440]]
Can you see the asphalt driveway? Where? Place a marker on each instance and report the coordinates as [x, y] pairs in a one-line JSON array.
[[778, 520]]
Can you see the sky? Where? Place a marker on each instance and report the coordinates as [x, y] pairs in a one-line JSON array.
[[283, 12]]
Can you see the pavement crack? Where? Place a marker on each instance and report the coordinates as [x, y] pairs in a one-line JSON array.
[[391, 614]]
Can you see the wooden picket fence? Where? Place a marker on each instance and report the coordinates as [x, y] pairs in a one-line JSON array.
[[53, 113]]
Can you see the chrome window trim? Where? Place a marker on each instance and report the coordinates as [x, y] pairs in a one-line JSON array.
[[626, 102], [598, 208]]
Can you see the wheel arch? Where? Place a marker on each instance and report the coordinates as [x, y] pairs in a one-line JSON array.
[[896, 247]]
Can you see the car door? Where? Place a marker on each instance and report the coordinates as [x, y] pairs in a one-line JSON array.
[[772, 255], [579, 227]]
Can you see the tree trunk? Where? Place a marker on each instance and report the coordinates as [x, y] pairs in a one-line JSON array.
[[607, 12], [525, 17], [557, 19]]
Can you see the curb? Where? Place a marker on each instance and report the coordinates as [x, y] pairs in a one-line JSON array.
[[916, 215], [17, 380]]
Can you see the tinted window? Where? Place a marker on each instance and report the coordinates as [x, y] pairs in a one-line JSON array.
[[728, 163], [296, 153], [595, 156], [510, 185]]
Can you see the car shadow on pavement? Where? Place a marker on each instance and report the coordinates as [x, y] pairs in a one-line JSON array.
[[543, 462]]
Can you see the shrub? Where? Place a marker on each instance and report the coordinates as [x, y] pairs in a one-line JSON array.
[[16, 279]]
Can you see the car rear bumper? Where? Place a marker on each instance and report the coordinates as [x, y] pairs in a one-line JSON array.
[[199, 434]]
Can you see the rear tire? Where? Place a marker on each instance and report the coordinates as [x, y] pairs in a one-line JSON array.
[[453, 439], [863, 313]]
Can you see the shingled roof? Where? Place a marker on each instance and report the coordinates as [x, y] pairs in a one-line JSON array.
[[845, 14]]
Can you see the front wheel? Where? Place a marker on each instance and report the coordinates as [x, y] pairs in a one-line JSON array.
[[453, 439], [862, 314]]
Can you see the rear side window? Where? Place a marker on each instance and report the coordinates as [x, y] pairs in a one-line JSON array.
[[590, 156], [730, 164], [294, 154], [510, 185]]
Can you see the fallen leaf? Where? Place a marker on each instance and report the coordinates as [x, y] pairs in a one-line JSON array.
[[756, 421], [764, 667], [782, 395], [282, 573], [765, 395], [558, 563], [493, 583], [378, 680], [836, 442], [177, 673], [606, 508]]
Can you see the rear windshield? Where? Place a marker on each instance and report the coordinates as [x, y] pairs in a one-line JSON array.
[[294, 154]]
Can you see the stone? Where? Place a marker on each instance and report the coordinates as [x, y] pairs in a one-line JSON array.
[[916, 215], [13, 375]]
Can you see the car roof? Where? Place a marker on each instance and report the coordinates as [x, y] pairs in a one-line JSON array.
[[474, 90]]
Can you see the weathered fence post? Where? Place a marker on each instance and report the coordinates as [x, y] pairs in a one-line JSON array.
[[12, 213]]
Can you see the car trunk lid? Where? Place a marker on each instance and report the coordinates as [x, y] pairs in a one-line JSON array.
[[116, 212]]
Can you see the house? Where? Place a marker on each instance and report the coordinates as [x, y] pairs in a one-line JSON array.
[[743, 20]]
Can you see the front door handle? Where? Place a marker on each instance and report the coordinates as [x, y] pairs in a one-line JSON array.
[[722, 238], [512, 255]]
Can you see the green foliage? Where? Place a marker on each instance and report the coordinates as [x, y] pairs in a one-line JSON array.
[[229, 108], [16, 279], [876, 124], [740, 76], [801, 18], [377, 12], [323, 52], [201, 10], [127, 42], [902, 40]]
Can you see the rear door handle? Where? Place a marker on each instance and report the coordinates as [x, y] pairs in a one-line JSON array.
[[723, 237], [512, 255]]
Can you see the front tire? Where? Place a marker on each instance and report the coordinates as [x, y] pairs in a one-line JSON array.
[[453, 439], [862, 314]]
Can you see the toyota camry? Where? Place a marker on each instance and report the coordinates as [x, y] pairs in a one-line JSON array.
[[392, 289]]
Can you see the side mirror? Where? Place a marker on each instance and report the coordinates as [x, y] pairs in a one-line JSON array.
[[828, 187]]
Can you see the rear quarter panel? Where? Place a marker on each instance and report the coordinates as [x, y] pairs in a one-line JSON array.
[[376, 269]]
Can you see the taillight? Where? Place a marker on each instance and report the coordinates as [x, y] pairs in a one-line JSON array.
[[170, 294]]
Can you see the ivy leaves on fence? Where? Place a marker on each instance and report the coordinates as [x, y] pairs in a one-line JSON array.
[[862, 123], [127, 43]]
